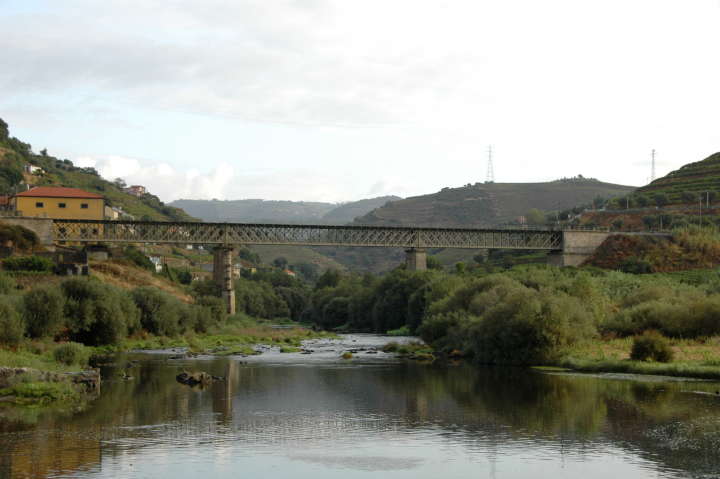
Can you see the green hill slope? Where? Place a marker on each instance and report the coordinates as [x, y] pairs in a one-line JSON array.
[[687, 183], [14, 154], [487, 204]]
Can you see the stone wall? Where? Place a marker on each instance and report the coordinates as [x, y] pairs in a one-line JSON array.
[[43, 227]]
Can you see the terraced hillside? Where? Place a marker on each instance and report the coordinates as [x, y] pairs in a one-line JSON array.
[[486, 204], [684, 185]]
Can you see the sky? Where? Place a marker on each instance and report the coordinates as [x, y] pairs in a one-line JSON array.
[[339, 100]]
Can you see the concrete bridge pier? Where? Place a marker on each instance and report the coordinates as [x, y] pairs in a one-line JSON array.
[[416, 259], [223, 275]]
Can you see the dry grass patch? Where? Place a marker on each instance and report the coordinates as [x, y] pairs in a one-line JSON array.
[[121, 274]]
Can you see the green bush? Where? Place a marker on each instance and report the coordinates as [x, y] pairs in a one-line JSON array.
[[43, 311], [12, 326], [28, 263], [98, 313], [139, 258], [7, 284], [651, 346], [211, 311], [71, 353], [159, 312]]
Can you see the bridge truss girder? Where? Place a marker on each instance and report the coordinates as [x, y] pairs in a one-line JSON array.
[[90, 231]]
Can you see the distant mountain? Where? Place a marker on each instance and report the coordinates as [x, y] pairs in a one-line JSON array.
[[284, 212], [487, 204], [347, 212]]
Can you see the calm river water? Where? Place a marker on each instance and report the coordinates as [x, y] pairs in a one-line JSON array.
[[318, 416]]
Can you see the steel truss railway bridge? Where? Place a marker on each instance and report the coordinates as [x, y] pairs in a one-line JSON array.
[[569, 247]]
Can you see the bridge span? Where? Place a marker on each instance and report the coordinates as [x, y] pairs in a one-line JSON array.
[[567, 247]]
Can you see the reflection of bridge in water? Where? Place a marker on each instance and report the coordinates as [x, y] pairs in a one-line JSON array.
[[569, 247]]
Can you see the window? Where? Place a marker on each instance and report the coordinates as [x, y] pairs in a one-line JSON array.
[[61, 205], [39, 204], [84, 206]]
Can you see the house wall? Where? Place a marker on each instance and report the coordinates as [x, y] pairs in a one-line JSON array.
[[27, 206]]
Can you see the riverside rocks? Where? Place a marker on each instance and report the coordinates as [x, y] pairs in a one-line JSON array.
[[200, 378]]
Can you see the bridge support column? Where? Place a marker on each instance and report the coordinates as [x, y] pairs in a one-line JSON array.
[[223, 275], [416, 259]]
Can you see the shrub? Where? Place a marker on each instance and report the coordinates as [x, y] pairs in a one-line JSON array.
[[651, 346], [211, 311], [71, 353], [28, 263], [12, 326], [137, 257], [7, 284], [98, 313], [159, 312], [43, 311]]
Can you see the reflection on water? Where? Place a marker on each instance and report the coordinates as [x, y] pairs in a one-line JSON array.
[[309, 418]]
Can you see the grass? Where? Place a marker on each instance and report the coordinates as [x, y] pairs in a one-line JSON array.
[[36, 355], [40, 393], [236, 337], [414, 350], [693, 358]]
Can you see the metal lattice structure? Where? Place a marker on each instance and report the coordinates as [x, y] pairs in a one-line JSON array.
[[90, 231]]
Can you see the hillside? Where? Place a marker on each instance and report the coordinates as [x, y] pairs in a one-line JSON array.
[[687, 183], [487, 204], [15, 154], [255, 211], [268, 211], [347, 212]]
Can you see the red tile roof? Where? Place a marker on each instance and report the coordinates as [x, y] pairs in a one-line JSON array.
[[58, 192]]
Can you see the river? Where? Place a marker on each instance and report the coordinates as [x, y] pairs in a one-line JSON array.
[[320, 416]]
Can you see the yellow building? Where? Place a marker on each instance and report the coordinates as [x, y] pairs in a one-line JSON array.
[[60, 203]]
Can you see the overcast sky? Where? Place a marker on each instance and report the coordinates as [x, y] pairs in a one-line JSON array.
[[337, 100]]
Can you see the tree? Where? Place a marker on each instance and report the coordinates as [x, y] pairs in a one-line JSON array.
[[120, 183], [329, 279], [280, 262], [642, 201], [688, 197], [433, 263], [535, 217], [661, 199], [4, 132]]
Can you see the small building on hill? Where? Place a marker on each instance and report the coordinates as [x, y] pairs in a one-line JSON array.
[[136, 190], [59, 202]]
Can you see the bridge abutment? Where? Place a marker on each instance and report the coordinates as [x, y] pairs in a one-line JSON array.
[[223, 275], [416, 259], [577, 247]]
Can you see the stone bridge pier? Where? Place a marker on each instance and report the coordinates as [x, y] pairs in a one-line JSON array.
[[416, 259], [223, 275]]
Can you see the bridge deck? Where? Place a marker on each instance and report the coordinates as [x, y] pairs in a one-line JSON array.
[[85, 231]]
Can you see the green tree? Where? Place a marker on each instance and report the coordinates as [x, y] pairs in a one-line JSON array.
[[535, 217], [43, 311], [280, 262]]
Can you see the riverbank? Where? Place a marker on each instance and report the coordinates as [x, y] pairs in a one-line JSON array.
[[694, 358], [41, 372]]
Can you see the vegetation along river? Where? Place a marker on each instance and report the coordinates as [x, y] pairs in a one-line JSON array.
[[320, 416]]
